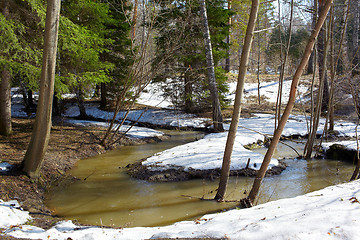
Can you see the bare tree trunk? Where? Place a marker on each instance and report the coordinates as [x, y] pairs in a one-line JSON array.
[[355, 36], [330, 116], [216, 108], [188, 91], [261, 173], [322, 68], [103, 97], [5, 103], [225, 170], [258, 63], [56, 106], [316, 115], [323, 95], [5, 93], [283, 64], [134, 19], [310, 68], [279, 94], [355, 174], [346, 58], [227, 60], [80, 102], [40, 137]]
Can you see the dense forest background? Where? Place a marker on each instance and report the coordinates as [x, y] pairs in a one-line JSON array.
[[110, 50]]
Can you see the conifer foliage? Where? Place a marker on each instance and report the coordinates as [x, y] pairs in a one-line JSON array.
[[180, 39]]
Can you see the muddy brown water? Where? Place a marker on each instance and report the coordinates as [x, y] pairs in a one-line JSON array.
[[107, 196]]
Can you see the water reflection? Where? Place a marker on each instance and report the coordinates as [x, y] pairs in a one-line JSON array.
[[110, 197]]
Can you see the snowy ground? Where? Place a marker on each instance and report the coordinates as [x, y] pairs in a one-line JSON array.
[[331, 213], [207, 153], [160, 117], [268, 90], [132, 131], [349, 145]]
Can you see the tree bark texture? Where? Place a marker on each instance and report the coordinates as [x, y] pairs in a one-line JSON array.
[[188, 91], [103, 96], [322, 69], [5, 103], [283, 65], [216, 108], [134, 19], [227, 60], [291, 102], [5, 92], [41, 133], [310, 68], [80, 102], [316, 114], [225, 170], [355, 36]]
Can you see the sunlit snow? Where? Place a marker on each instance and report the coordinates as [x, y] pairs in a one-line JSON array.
[[330, 213]]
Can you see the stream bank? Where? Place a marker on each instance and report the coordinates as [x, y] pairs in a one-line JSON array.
[[68, 144], [137, 170]]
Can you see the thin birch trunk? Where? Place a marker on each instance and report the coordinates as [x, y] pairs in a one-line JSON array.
[[225, 170], [355, 35], [134, 19], [227, 60], [319, 99], [216, 108], [283, 64], [311, 65], [291, 102], [322, 68]]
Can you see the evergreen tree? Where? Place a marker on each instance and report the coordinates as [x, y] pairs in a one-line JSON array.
[[41, 133], [119, 51], [180, 40], [82, 41], [20, 33]]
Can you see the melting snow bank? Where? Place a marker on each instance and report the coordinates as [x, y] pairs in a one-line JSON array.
[[5, 167], [330, 213], [11, 214], [203, 159], [157, 117], [342, 150], [349, 145], [134, 132]]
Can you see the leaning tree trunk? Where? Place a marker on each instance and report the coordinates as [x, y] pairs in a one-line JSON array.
[[225, 170], [291, 102], [5, 103], [40, 137], [216, 108]]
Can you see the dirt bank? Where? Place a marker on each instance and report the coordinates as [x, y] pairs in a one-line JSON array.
[[67, 145], [137, 170]]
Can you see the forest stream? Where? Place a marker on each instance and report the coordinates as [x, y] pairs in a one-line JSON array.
[[106, 195]]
